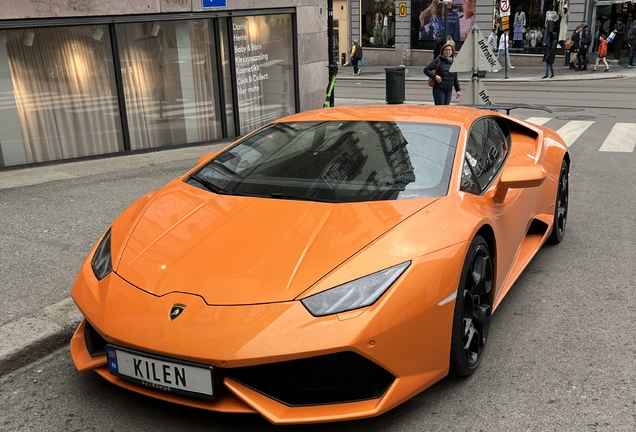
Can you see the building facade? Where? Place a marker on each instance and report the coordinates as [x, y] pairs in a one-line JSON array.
[[83, 78], [386, 34]]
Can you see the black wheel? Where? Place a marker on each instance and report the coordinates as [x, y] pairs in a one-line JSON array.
[[473, 306], [561, 206]]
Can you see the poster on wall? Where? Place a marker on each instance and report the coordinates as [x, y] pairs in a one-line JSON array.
[[263, 54], [458, 16]]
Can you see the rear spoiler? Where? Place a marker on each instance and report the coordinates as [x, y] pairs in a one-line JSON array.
[[509, 107]]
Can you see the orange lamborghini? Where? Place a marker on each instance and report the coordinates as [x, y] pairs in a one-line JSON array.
[[328, 266]]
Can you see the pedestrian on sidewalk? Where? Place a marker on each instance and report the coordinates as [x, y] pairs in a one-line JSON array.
[[549, 55], [504, 49], [356, 55], [619, 28], [445, 80], [602, 53], [631, 40], [586, 40], [574, 49], [493, 44]]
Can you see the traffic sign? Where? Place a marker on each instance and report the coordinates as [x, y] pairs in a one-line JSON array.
[[214, 3], [504, 8], [402, 9]]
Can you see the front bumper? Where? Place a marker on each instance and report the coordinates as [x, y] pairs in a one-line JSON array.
[[403, 341]]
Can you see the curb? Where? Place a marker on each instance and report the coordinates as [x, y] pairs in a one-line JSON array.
[[29, 338]]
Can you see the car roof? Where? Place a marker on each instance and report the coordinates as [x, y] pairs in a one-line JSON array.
[[447, 114]]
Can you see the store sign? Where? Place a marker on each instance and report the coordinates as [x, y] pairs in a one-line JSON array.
[[214, 3], [402, 6], [505, 22]]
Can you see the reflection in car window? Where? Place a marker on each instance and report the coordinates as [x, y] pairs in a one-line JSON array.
[[336, 161], [486, 149]]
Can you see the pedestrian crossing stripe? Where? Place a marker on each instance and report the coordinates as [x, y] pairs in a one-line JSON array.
[[572, 130], [622, 138]]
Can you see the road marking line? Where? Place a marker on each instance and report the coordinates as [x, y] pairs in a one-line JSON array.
[[622, 138], [572, 130], [539, 120]]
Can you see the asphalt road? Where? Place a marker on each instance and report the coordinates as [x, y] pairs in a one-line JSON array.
[[561, 351]]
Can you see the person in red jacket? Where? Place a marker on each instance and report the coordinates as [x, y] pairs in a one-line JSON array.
[[602, 53]]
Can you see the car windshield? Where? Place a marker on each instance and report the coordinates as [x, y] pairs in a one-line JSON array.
[[336, 161]]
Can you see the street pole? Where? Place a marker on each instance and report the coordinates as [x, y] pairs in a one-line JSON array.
[[330, 44]]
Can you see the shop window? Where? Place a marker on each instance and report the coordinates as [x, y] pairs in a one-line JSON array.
[[264, 57], [378, 23], [170, 79], [58, 92], [433, 19]]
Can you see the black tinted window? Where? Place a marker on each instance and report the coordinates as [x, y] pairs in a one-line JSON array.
[[337, 162]]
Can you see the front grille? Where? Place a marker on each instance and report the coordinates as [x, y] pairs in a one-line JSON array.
[[328, 379]]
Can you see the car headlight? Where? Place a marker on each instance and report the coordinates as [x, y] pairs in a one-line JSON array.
[[355, 294], [101, 262]]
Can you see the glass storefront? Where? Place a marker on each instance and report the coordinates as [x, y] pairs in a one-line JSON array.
[[264, 60], [59, 98], [433, 18], [178, 82], [378, 23], [170, 82]]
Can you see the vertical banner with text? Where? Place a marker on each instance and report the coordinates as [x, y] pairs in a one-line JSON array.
[[263, 53]]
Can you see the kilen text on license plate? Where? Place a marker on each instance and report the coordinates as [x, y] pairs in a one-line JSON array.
[[161, 373]]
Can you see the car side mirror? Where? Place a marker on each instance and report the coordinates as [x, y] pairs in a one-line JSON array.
[[518, 177], [206, 157]]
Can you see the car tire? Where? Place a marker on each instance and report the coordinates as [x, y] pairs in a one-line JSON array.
[[561, 206], [473, 306]]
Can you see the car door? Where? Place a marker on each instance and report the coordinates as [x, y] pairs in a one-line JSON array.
[[487, 150]]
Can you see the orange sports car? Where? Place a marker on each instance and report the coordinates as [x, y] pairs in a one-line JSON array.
[[328, 266]]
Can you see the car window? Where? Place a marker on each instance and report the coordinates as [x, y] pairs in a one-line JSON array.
[[486, 149], [336, 161]]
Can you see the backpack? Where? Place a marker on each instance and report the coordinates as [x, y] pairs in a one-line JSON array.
[[358, 53]]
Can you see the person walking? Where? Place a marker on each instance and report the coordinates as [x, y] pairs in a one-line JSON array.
[[444, 79], [631, 40], [503, 49], [619, 28], [602, 53], [586, 40], [549, 55], [576, 41], [356, 55]]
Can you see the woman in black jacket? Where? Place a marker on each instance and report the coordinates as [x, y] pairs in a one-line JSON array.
[[445, 80], [576, 39], [550, 53]]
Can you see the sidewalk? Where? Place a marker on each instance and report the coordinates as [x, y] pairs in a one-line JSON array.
[[518, 74]]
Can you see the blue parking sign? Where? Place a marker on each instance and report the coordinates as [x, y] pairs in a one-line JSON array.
[[214, 3]]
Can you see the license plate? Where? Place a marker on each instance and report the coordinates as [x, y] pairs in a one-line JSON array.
[[166, 374]]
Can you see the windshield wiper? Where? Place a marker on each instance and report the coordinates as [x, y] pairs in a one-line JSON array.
[[209, 185], [279, 195]]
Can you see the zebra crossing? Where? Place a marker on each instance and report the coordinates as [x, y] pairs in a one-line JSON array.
[[621, 138]]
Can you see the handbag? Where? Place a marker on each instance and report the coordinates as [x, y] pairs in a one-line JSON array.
[[431, 81]]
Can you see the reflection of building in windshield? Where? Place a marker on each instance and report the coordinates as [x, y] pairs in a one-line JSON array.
[[372, 159]]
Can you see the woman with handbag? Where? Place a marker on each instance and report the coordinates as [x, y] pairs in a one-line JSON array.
[[576, 39], [441, 78]]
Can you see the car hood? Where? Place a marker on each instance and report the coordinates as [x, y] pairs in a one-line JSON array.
[[239, 250]]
